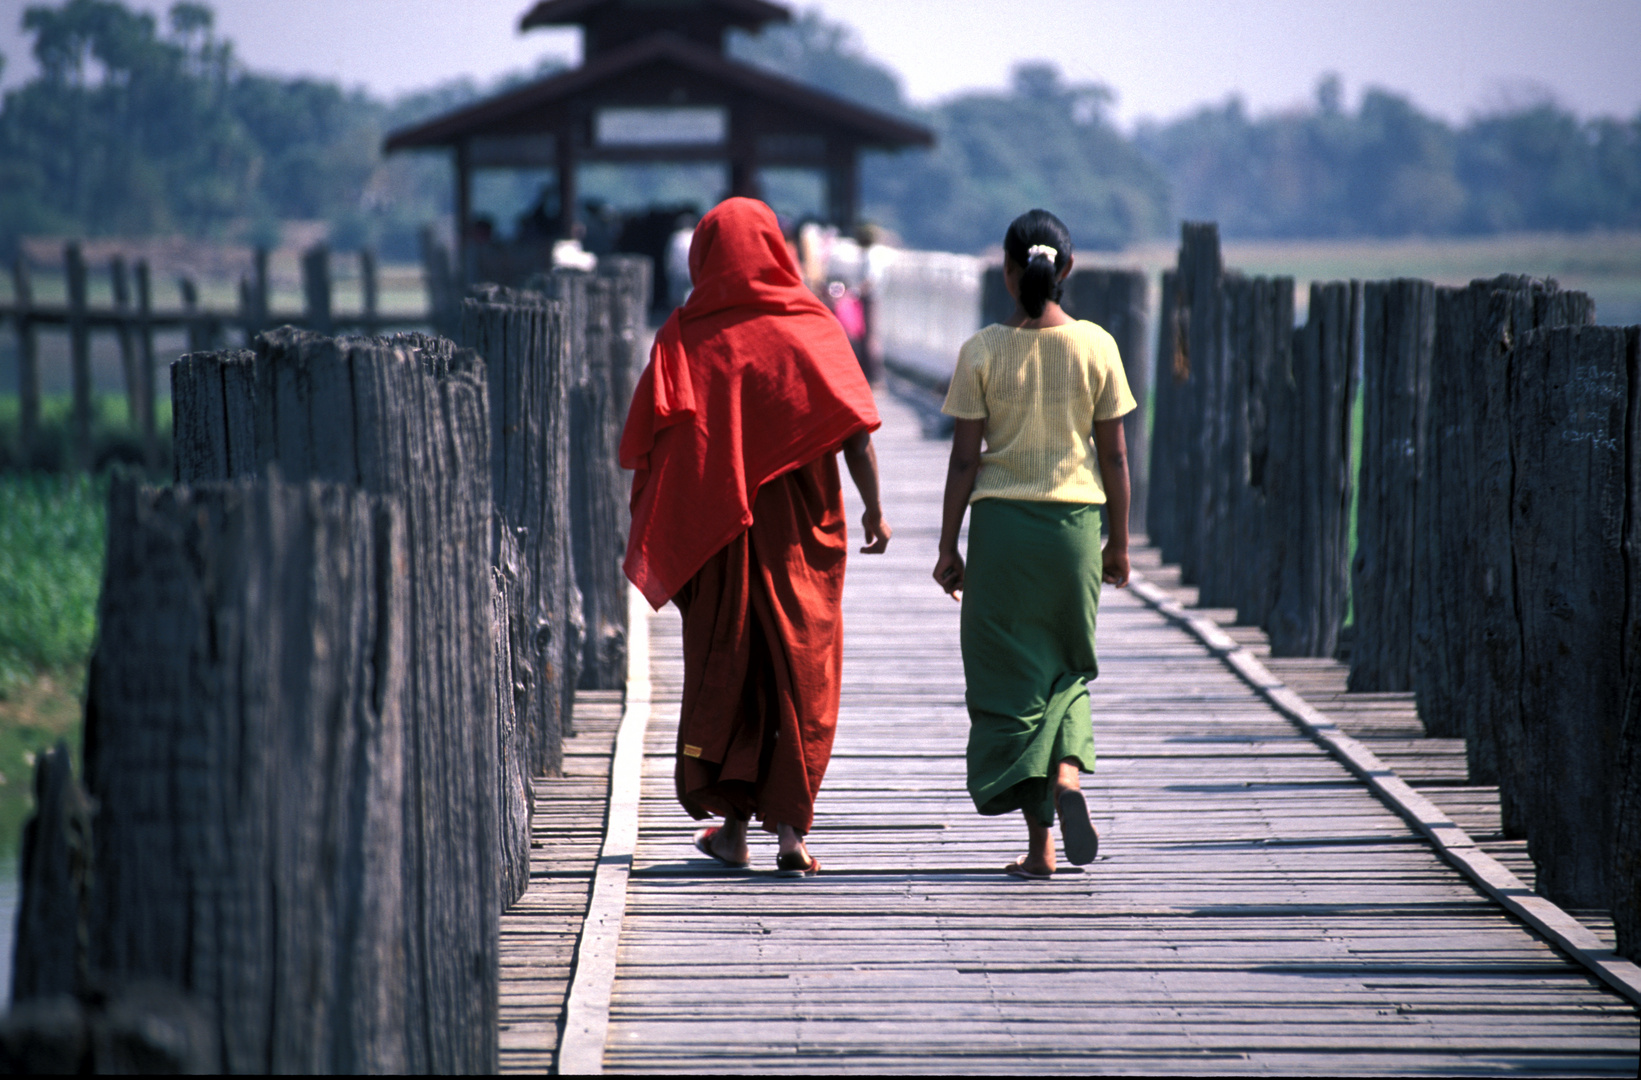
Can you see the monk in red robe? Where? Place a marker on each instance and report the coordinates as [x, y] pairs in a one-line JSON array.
[[737, 517]]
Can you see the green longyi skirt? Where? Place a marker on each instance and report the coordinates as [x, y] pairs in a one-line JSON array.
[[1031, 595]]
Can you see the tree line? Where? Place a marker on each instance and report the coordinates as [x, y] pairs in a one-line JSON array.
[[131, 127]]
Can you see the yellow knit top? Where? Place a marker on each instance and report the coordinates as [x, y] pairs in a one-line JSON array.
[[1039, 392]]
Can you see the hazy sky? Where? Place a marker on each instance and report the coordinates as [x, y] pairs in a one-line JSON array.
[[1454, 57]]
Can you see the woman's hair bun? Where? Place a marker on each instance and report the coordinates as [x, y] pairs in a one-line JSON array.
[[1039, 243]]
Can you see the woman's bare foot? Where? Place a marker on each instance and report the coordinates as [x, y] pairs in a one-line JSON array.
[[1069, 777], [791, 841], [728, 842], [1039, 856]]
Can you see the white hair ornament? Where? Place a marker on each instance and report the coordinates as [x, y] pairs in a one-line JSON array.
[[1035, 250]]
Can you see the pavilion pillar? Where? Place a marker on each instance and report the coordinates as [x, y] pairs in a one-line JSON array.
[[842, 185], [743, 156], [464, 211], [567, 196]]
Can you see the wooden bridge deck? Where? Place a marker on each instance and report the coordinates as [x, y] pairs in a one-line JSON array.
[[1254, 909]]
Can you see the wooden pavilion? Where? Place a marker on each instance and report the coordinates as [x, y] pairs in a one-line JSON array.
[[656, 85]]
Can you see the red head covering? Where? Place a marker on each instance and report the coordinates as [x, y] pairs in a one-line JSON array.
[[750, 379]]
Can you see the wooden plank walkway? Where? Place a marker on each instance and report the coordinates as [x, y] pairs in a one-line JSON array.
[[1254, 908]]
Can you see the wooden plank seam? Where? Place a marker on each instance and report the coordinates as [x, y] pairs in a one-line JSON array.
[[1452, 842], [587, 1006]]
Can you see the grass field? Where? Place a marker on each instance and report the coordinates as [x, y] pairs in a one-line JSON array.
[[51, 565]]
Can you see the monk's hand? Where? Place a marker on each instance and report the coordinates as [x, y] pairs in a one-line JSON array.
[[1116, 566], [948, 573], [877, 532]]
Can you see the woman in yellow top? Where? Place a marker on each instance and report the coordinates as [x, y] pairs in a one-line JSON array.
[[1045, 393]]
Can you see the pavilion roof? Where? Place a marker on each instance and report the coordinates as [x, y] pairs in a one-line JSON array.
[[746, 14], [509, 112]]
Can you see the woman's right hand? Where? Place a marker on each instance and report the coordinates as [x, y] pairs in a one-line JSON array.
[[948, 573]]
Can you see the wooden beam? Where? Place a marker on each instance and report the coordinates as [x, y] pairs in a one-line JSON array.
[[587, 1012]]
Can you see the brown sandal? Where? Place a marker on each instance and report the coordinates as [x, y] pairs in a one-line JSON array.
[[789, 866]]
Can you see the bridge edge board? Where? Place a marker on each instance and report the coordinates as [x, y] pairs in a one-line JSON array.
[[1450, 841], [587, 1005]]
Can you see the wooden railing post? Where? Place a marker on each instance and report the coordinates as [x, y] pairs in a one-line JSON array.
[[368, 286], [121, 282], [259, 287], [146, 421], [192, 320], [79, 333], [28, 363], [443, 303], [316, 289]]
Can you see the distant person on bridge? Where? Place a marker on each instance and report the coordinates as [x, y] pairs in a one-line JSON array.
[[1045, 393], [737, 517]]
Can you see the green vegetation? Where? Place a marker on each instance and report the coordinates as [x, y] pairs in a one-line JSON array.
[[115, 439], [51, 566]]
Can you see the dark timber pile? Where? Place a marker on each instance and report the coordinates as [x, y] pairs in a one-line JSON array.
[[405, 418], [246, 750], [1251, 448], [1399, 339], [525, 341], [1116, 301]]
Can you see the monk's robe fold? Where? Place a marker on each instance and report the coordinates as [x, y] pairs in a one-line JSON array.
[[763, 648], [750, 379]]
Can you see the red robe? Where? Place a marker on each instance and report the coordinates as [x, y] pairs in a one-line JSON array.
[[751, 388]]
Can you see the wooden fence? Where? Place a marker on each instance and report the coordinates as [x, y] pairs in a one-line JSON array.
[[330, 661], [133, 320], [1497, 573]]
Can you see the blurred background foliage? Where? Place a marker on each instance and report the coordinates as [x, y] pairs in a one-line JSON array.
[[134, 128]]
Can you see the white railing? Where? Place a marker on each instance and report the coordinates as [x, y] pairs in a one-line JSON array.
[[928, 304]]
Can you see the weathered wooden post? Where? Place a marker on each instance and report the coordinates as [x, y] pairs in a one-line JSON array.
[[121, 283], [1467, 650], [316, 290], [28, 362], [514, 652], [54, 871], [246, 749], [369, 297], [523, 338], [1568, 421], [1310, 483], [1259, 329], [409, 418], [631, 277], [1199, 309], [598, 493], [1626, 892], [79, 335], [573, 289], [1116, 300], [1160, 499], [1399, 339], [145, 364]]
